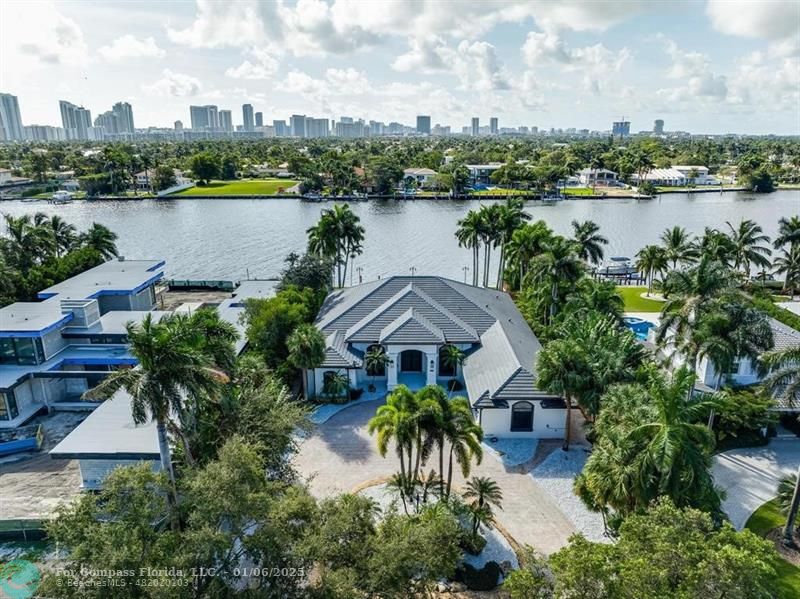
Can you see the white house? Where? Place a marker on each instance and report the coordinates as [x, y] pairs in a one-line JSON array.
[[696, 174], [481, 174], [411, 320], [597, 176]]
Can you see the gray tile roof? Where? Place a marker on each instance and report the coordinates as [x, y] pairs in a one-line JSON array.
[[337, 354], [784, 336], [419, 310]]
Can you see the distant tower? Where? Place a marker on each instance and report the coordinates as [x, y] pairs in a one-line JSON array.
[[10, 120], [476, 126], [493, 128], [424, 125], [621, 128], [179, 126], [658, 127], [259, 119], [247, 117]]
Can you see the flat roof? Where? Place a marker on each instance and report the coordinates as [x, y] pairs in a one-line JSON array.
[[115, 277], [110, 433], [34, 318], [113, 323]]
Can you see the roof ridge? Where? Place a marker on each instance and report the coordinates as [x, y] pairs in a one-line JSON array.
[[355, 328], [469, 329], [384, 282]]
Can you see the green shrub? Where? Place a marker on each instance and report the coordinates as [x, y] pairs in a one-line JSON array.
[[473, 545], [780, 314], [742, 415]]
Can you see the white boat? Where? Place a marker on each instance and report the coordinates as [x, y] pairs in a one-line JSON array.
[[61, 197]]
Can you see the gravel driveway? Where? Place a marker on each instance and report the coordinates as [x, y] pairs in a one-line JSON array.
[[340, 455], [750, 476]]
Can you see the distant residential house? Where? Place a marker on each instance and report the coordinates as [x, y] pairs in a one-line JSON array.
[[413, 320], [598, 177], [423, 177], [481, 174], [696, 175], [144, 179], [70, 185], [5, 176], [664, 177]]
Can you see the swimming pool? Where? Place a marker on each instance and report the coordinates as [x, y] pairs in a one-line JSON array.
[[639, 326]]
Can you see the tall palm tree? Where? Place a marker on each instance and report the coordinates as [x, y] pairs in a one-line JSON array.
[[337, 235], [469, 235], [28, 243], [64, 235], [716, 245], [170, 369], [560, 371], [526, 243], [102, 239], [788, 232], [490, 235], [590, 242], [788, 264], [511, 217], [679, 246], [481, 494], [593, 297], [651, 261], [306, 350], [678, 447], [396, 420], [748, 238], [464, 436], [559, 264]]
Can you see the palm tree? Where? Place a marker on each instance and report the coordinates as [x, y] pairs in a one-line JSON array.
[[452, 357], [102, 239], [511, 217], [28, 242], [789, 500], [306, 351], [788, 232], [558, 264], [481, 494], [747, 239], [338, 235], [490, 232], [336, 385], [783, 374], [464, 436], [525, 244], [586, 235], [396, 420], [788, 264], [716, 245], [469, 235], [679, 246], [376, 360], [64, 235], [560, 371], [170, 369], [678, 447], [643, 164], [651, 261], [592, 297]]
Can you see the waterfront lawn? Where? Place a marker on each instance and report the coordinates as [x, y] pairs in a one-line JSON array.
[[767, 518], [579, 191], [245, 187], [634, 302]]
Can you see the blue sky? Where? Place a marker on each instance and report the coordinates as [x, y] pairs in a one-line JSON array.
[[717, 66]]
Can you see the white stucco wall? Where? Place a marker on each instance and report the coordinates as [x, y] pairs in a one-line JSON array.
[[547, 423]]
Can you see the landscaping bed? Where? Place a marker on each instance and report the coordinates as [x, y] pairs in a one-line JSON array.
[[767, 521]]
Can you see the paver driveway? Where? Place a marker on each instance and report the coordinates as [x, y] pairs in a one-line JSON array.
[[750, 476], [341, 455]]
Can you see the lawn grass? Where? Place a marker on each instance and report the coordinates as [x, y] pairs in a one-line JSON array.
[[499, 191], [232, 188], [634, 302], [763, 520], [579, 191]]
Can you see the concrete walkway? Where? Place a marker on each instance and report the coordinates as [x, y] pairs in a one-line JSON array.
[[340, 455], [750, 476]]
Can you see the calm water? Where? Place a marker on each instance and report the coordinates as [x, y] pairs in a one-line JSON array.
[[226, 239]]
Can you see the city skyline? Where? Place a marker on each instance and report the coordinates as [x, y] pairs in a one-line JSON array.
[[730, 68]]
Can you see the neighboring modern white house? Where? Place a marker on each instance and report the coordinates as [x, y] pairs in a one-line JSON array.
[[597, 176], [678, 176], [481, 174], [412, 319]]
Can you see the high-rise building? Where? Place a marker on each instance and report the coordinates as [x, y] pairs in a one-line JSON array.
[[621, 129], [493, 127], [247, 117], [76, 120], [297, 122], [10, 119], [225, 120], [475, 130], [178, 126], [44, 133], [204, 118], [317, 127], [424, 125], [124, 114], [349, 129], [658, 127], [281, 129], [259, 119], [107, 123]]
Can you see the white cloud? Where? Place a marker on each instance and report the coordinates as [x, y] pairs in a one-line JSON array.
[[768, 19], [178, 85], [684, 64], [129, 46], [227, 24], [38, 32], [263, 66]]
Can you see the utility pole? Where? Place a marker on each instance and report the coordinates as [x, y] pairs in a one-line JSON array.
[[413, 270], [360, 270], [466, 270]]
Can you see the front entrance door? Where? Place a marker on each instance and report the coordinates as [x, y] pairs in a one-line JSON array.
[[411, 361]]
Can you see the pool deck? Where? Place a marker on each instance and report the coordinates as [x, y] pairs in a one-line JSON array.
[[653, 317]]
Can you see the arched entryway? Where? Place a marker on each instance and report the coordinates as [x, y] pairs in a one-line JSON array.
[[412, 360]]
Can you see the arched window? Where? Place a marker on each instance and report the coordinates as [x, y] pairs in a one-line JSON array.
[[375, 360], [522, 416]]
